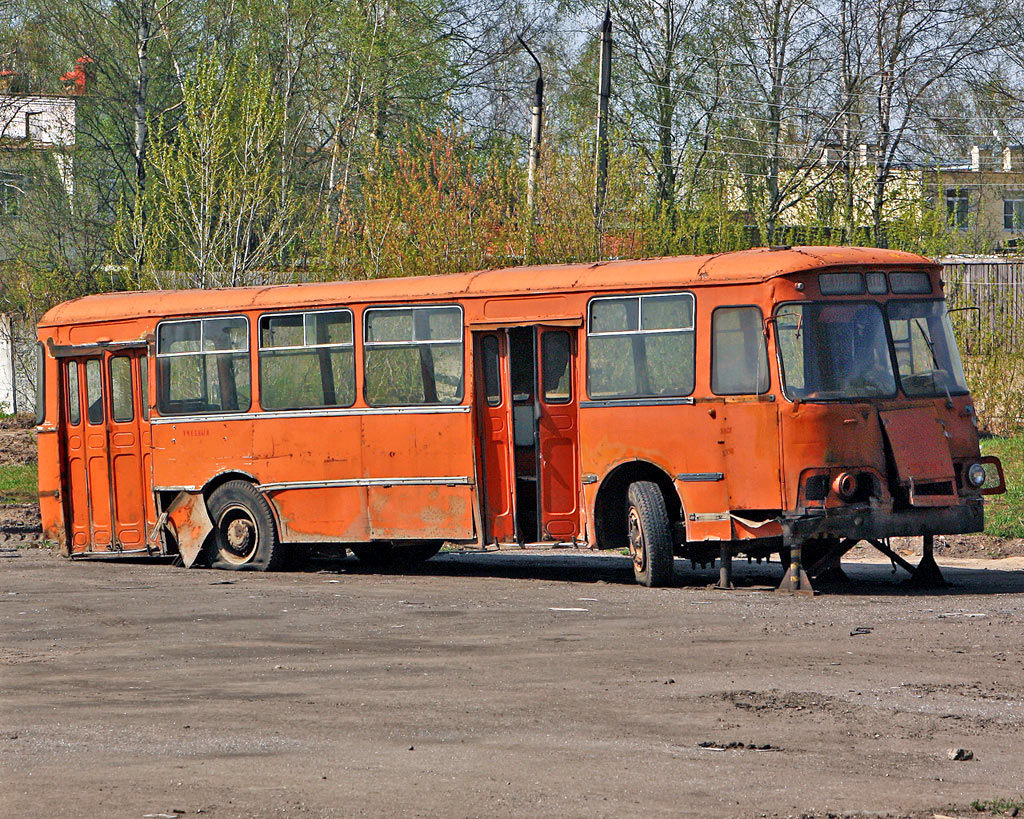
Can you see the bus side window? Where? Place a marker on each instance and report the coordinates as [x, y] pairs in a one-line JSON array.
[[641, 346], [413, 356], [307, 360], [203, 366], [739, 358], [74, 401], [93, 391]]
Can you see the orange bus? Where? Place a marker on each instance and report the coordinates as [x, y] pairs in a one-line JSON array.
[[784, 400]]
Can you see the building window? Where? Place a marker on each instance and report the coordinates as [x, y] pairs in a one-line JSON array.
[[957, 206], [1013, 212]]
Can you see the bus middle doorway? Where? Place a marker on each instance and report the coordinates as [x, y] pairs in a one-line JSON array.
[[528, 433]]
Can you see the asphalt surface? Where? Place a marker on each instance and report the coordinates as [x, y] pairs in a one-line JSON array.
[[500, 685]]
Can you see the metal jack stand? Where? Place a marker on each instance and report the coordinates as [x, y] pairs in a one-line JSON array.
[[927, 574], [725, 569], [795, 580]]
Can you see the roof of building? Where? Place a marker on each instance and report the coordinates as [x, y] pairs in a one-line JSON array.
[[757, 265]]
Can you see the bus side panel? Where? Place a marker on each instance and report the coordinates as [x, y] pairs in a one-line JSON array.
[[421, 512], [190, 454], [682, 440], [751, 450], [313, 450], [429, 455], [316, 515]]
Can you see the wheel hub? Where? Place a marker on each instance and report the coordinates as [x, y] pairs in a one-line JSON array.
[[240, 534]]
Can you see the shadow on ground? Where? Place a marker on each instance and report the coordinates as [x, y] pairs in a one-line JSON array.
[[863, 578]]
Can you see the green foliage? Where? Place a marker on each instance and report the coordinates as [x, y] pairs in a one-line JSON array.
[[18, 483], [216, 209], [1005, 513], [994, 367], [1000, 807], [435, 206]]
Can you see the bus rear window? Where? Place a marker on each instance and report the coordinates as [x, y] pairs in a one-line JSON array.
[[40, 384], [203, 366], [413, 356], [640, 346]]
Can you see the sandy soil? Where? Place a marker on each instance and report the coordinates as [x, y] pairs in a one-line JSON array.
[[17, 446], [503, 684]]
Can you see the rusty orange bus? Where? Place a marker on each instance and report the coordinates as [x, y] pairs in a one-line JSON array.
[[789, 401]]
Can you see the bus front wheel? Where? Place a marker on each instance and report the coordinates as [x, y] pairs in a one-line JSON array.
[[650, 536], [244, 535]]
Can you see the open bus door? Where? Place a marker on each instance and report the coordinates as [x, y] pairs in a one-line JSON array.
[[528, 433], [105, 424]]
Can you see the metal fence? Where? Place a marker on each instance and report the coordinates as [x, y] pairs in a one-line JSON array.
[[993, 287]]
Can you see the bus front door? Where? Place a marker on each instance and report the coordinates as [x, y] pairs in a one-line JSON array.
[[528, 433], [104, 484]]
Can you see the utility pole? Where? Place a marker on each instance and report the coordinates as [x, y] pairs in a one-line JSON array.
[[536, 123], [604, 90]]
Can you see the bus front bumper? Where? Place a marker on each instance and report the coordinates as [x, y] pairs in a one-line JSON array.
[[866, 522]]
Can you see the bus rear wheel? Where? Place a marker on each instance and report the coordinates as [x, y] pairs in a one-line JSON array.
[[650, 536], [244, 535]]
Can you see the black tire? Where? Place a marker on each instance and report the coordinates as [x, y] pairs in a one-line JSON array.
[[412, 554], [244, 533], [650, 536]]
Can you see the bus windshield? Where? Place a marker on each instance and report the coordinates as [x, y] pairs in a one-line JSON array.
[[926, 352], [833, 351]]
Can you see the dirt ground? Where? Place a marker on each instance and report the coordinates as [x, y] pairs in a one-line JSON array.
[[504, 684]]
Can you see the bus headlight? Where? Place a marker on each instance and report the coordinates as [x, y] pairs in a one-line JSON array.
[[976, 475]]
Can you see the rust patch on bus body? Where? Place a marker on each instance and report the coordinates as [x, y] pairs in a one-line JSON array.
[[417, 512]]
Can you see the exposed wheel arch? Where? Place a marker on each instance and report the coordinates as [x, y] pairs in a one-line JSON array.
[[611, 504], [223, 477]]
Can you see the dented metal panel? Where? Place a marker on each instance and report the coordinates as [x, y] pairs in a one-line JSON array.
[[190, 524]]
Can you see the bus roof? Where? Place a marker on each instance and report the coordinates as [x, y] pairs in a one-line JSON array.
[[745, 266]]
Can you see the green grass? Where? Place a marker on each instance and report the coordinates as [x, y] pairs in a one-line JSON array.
[[1000, 807], [18, 483], [1004, 514]]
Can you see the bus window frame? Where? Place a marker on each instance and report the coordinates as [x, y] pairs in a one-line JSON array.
[[767, 356], [881, 305], [941, 393], [260, 349], [201, 318], [646, 398], [365, 345]]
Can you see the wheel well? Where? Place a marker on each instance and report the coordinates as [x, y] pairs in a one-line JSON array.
[[223, 478], [612, 501]]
